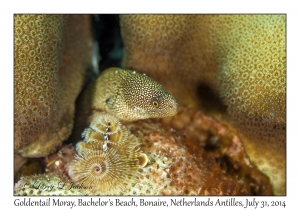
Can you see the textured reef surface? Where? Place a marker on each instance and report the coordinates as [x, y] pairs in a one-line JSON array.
[[48, 78], [188, 154], [231, 67]]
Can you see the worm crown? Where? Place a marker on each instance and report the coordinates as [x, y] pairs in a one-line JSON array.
[[108, 157]]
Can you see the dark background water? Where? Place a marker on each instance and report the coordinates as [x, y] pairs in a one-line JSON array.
[[108, 35]]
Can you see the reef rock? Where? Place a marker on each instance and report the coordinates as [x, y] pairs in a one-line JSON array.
[[188, 154], [233, 67]]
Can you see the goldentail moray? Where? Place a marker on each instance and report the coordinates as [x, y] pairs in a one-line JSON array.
[[125, 94]]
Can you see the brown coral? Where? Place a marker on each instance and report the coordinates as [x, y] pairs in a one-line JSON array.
[[193, 154], [229, 65], [188, 154], [57, 163], [51, 55], [33, 166]]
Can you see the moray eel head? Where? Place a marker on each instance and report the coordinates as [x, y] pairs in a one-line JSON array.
[[141, 97]]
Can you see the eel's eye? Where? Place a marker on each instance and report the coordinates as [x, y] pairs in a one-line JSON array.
[[154, 102]]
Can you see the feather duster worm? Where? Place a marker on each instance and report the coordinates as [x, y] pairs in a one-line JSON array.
[[108, 158]]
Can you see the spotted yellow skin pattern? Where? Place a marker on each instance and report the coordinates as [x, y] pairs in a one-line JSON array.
[[128, 95], [125, 94]]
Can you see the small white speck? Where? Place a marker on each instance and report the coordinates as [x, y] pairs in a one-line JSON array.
[[116, 71], [163, 175], [144, 74], [57, 163], [104, 147], [138, 109], [134, 72]]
